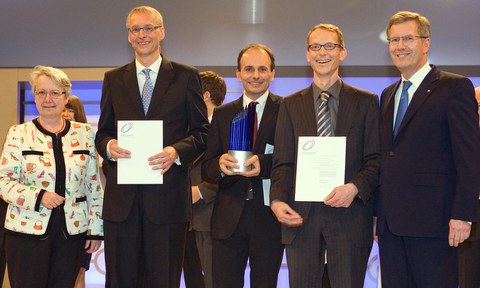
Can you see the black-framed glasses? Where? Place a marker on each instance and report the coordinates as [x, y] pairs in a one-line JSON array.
[[407, 39], [55, 94], [328, 46], [147, 29]]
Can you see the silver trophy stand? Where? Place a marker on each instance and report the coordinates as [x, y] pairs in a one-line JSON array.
[[241, 156]]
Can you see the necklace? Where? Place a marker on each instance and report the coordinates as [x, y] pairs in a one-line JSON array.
[[51, 130], [61, 128]]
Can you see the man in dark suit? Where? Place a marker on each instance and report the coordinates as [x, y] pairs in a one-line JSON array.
[[469, 256], [342, 223], [429, 177], [145, 225], [199, 239], [243, 227]]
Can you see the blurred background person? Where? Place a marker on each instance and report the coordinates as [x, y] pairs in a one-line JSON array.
[[469, 256], [48, 176], [199, 239], [74, 111]]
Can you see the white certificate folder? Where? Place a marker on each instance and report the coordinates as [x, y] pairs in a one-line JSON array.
[[320, 167], [143, 139]]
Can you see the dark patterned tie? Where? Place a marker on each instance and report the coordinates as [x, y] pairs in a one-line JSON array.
[[147, 90], [255, 122], [324, 125], [402, 106], [253, 104]]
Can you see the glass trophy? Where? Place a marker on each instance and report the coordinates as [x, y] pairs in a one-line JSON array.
[[242, 129]]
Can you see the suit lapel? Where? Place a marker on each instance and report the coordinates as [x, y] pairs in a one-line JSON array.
[[306, 110], [388, 102], [164, 79], [268, 117], [387, 107], [131, 84], [346, 109], [420, 96]]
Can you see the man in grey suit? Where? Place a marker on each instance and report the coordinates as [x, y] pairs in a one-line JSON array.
[[342, 224]]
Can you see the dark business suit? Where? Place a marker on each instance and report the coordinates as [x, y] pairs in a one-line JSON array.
[[242, 228], [201, 246], [202, 210], [469, 258], [177, 100], [429, 175], [346, 233]]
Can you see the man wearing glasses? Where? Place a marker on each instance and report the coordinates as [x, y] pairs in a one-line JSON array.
[[429, 177], [342, 223], [145, 225]]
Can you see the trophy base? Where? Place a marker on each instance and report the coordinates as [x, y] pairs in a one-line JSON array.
[[241, 156]]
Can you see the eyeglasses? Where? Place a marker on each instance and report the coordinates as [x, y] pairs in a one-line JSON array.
[[327, 46], [55, 94], [407, 39], [147, 29]]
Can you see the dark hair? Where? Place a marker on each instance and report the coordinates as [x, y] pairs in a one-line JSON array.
[[258, 46], [76, 105], [214, 83]]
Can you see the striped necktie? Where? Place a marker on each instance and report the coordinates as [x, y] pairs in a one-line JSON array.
[[324, 125]]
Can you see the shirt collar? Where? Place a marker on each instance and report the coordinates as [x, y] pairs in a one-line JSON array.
[[155, 67], [260, 100], [418, 77], [334, 90]]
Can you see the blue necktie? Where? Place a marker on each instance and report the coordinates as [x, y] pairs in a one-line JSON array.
[[147, 90], [402, 106]]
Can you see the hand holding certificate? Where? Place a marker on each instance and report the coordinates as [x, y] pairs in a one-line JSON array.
[[143, 139], [320, 167]]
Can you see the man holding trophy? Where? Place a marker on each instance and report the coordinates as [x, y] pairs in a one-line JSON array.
[[239, 158]]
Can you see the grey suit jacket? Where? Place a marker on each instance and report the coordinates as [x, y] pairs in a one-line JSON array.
[[357, 119]]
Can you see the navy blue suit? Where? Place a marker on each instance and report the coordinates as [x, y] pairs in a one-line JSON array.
[[429, 174]]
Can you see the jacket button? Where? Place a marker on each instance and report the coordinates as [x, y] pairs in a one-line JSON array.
[[391, 153]]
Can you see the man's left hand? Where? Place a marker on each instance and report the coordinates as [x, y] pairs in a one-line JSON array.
[[459, 232], [341, 196], [163, 160], [254, 162]]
